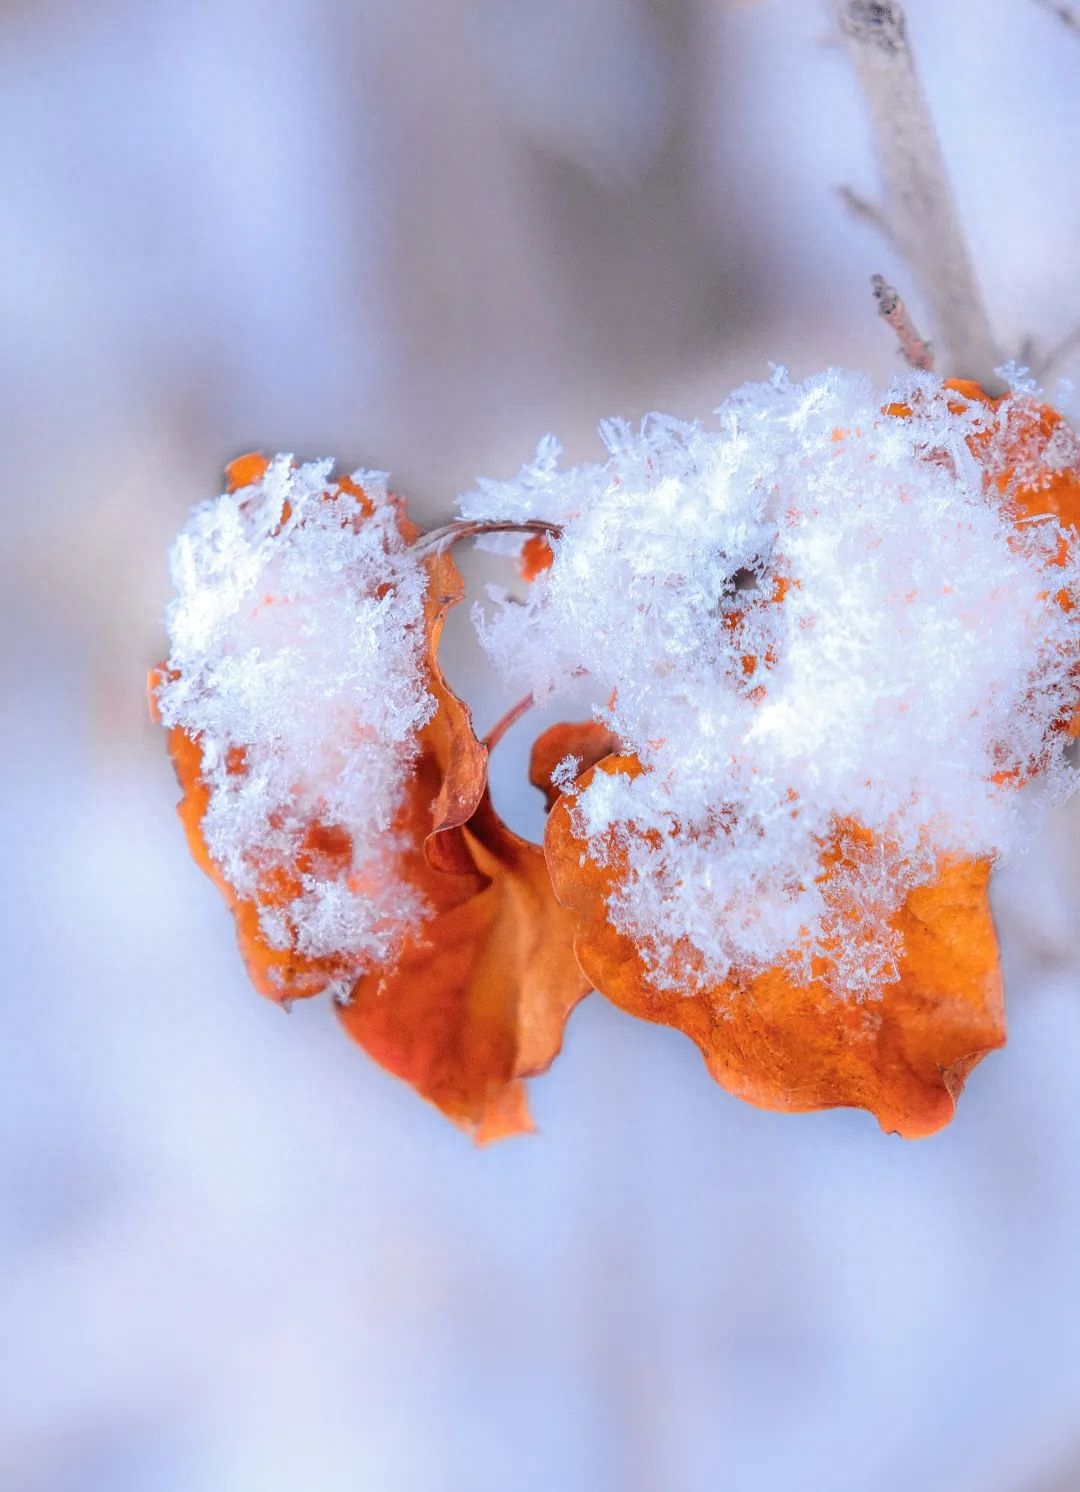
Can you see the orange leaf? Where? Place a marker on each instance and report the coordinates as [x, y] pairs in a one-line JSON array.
[[586, 740], [1037, 480], [245, 471], [451, 775], [480, 994], [795, 1047], [536, 557]]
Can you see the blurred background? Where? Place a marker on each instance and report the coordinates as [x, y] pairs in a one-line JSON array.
[[234, 1255]]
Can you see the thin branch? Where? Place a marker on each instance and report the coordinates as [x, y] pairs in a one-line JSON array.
[[915, 349], [919, 203], [1054, 356], [1069, 15], [471, 528], [867, 212], [1027, 354]]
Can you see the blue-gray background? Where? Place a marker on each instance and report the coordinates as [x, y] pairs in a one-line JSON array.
[[234, 1256]]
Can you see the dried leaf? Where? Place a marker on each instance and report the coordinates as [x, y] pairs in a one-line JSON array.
[[281, 974], [536, 557], [587, 741], [450, 780], [479, 997], [1037, 463], [784, 1046], [1036, 467]]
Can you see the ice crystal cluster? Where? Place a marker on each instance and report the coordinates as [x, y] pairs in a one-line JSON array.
[[820, 611], [296, 636]]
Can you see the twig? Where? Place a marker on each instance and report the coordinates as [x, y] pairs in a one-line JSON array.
[[1027, 354], [471, 528], [919, 204], [1054, 356], [866, 212], [1067, 14], [915, 349]]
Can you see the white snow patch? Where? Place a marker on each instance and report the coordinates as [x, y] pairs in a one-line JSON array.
[[296, 638], [918, 657]]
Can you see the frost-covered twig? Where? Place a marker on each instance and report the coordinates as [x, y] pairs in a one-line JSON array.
[[917, 351], [1068, 14], [919, 204]]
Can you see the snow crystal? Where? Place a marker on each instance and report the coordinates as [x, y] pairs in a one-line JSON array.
[[814, 615], [296, 636]]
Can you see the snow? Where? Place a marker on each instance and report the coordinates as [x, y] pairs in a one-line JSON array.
[[296, 639], [817, 612]]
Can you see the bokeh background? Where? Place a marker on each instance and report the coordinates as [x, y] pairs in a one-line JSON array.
[[234, 1255]]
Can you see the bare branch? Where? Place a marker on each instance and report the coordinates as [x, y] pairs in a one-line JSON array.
[[919, 204], [1069, 15], [1027, 354], [867, 212], [915, 349], [1054, 356]]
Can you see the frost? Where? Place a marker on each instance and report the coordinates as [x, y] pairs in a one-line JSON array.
[[540, 490], [296, 638], [564, 772], [825, 635]]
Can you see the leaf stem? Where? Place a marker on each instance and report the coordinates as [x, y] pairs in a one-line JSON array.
[[503, 724], [470, 528]]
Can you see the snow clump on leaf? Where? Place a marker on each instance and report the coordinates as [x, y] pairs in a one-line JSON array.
[[827, 619], [296, 643]]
